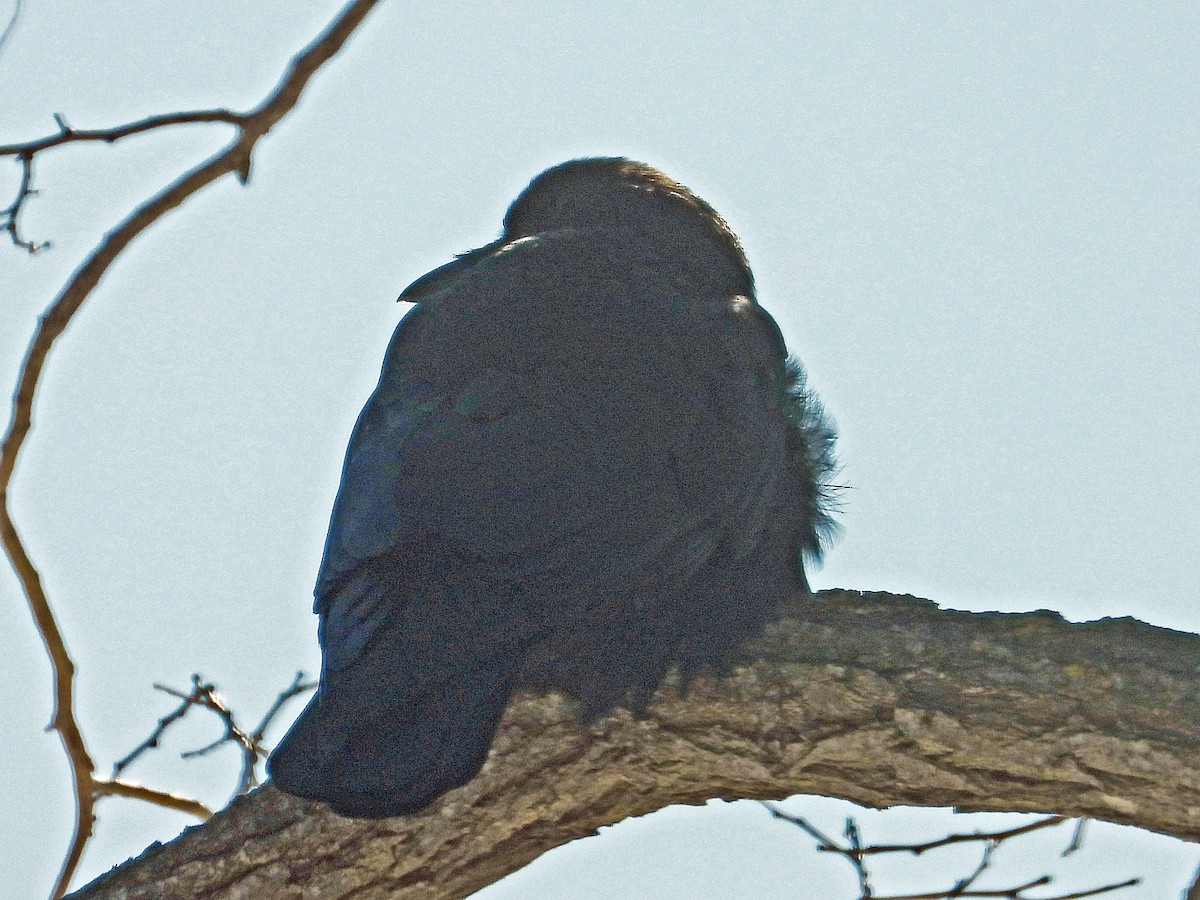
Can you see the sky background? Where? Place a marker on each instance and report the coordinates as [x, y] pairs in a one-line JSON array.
[[978, 225]]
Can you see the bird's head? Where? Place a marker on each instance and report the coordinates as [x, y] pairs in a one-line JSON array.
[[610, 192], [614, 192]]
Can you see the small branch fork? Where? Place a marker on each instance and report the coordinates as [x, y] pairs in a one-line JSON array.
[[234, 159], [8, 215], [204, 695], [24, 153], [856, 854]]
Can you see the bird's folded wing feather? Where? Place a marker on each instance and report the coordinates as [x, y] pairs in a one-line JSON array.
[[571, 446]]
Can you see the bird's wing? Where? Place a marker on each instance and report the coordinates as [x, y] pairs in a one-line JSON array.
[[570, 412]]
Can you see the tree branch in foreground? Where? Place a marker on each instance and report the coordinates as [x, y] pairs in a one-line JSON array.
[[235, 159], [882, 700]]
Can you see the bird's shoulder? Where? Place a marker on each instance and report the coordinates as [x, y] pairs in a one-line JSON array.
[[571, 381]]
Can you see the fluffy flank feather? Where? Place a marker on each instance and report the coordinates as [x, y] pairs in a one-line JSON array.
[[811, 438]]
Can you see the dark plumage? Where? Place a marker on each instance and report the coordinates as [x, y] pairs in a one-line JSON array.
[[588, 459]]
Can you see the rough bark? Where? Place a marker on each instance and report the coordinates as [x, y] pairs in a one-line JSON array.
[[879, 699]]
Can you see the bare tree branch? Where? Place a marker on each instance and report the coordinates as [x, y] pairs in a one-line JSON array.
[[25, 153], [856, 853], [235, 159], [985, 860], [916, 849], [853, 852], [1018, 892], [203, 695], [1132, 882], [296, 688], [878, 699], [160, 729], [11, 26], [68, 135], [9, 215], [1076, 837], [249, 743], [115, 788]]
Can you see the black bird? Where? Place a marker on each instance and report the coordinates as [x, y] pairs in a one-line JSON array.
[[589, 458]]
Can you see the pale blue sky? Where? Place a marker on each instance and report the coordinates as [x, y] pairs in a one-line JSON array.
[[978, 225]]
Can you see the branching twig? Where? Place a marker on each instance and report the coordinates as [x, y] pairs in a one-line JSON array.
[[10, 214], [831, 846], [823, 842], [204, 695], [297, 687], [249, 743], [151, 742], [25, 152], [253, 748], [856, 853], [235, 159], [68, 135], [991, 837]]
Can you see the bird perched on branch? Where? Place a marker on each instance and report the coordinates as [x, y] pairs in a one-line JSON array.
[[589, 459]]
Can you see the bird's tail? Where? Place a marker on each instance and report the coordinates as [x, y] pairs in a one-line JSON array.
[[370, 752]]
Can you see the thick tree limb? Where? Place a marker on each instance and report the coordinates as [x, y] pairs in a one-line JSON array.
[[879, 699]]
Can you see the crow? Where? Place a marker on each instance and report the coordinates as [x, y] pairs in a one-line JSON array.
[[589, 458]]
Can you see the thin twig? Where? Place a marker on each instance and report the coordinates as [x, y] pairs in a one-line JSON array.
[[11, 213], [68, 135], [1076, 837], [158, 798], [151, 742], [855, 853], [985, 859], [987, 836], [26, 151], [203, 695], [208, 699], [12, 24], [249, 750], [1018, 893], [234, 159], [1013, 893], [1132, 882], [823, 842], [830, 846], [249, 744], [298, 686]]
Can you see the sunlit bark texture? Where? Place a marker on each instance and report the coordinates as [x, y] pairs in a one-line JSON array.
[[879, 699]]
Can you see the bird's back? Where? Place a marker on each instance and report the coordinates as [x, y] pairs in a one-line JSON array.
[[578, 469]]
